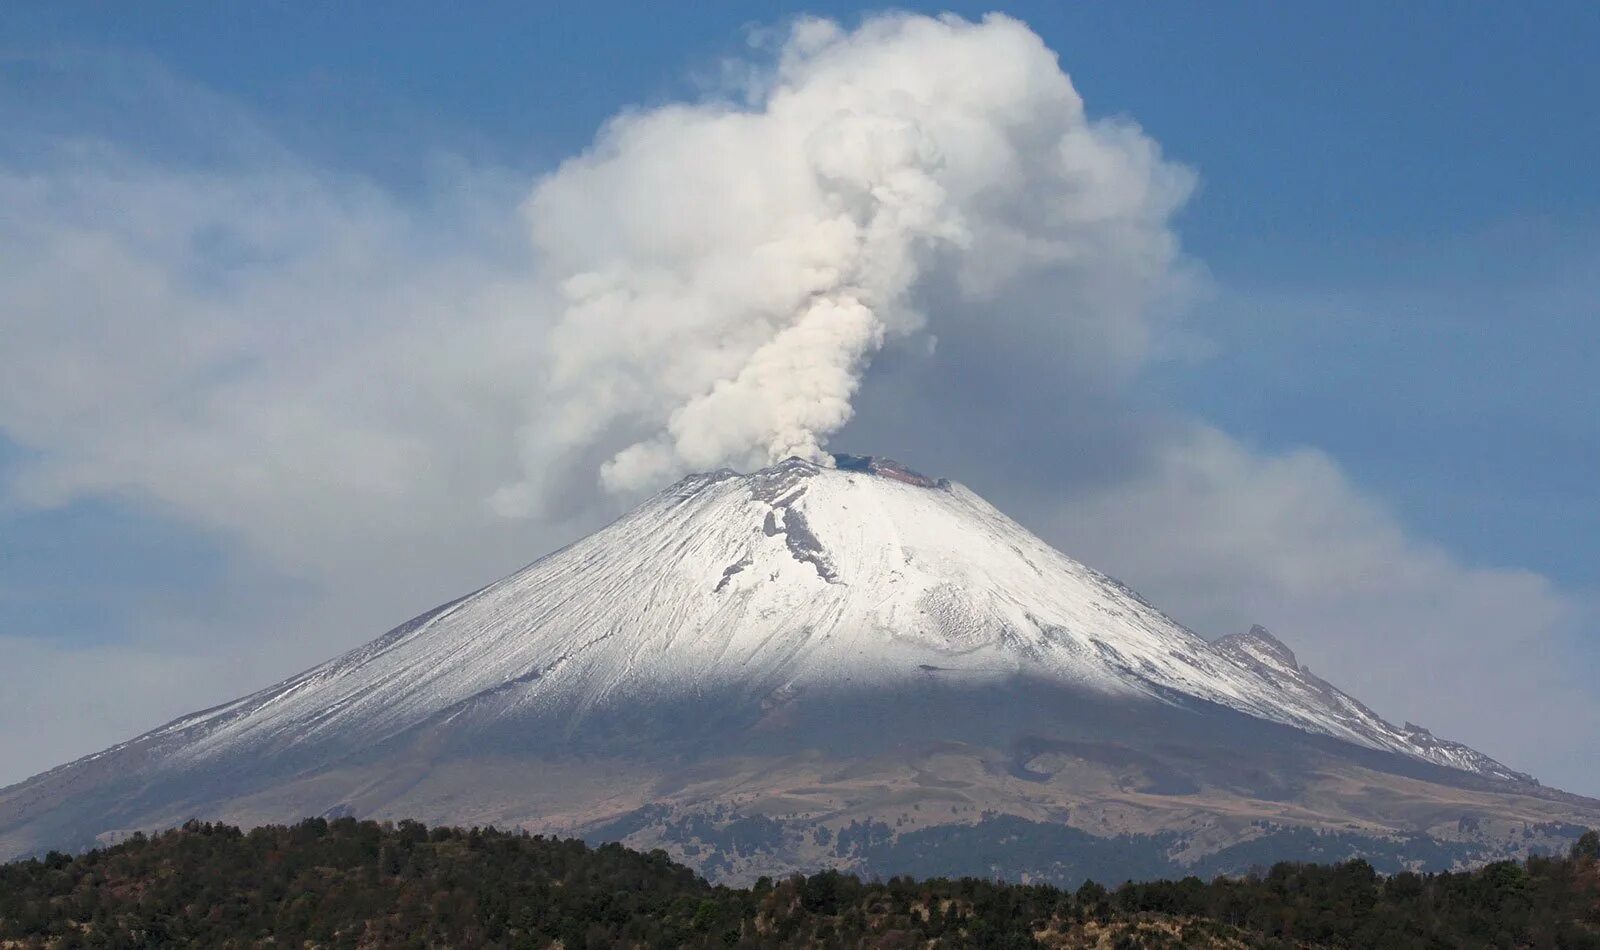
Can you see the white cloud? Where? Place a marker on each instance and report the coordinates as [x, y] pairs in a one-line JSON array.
[[730, 270], [1225, 537]]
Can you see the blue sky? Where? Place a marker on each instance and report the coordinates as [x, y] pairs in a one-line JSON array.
[[1397, 220]]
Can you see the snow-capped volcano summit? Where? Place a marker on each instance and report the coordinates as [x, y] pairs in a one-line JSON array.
[[798, 611], [796, 577]]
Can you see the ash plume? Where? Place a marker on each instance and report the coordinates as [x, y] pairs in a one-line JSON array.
[[727, 270]]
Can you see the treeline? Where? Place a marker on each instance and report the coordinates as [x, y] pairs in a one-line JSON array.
[[346, 883]]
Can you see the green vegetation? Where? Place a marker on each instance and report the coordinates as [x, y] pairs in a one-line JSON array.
[[346, 883]]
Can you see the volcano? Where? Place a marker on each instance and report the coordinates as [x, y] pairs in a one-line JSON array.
[[810, 665]]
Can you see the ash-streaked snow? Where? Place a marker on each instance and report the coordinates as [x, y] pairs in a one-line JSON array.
[[796, 577]]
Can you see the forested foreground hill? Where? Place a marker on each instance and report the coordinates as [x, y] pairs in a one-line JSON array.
[[346, 883]]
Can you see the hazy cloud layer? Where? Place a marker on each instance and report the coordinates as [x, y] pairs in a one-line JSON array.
[[910, 234], [1239, 537]]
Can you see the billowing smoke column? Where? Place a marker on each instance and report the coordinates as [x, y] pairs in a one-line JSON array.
[[727, 271]]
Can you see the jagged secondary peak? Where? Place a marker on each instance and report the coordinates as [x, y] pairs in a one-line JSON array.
[[1260, 645], [1269, 659]]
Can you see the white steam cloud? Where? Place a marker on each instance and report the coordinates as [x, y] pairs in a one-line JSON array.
[[728, 271]]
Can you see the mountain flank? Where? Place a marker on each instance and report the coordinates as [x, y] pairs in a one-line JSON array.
[[849, 665]]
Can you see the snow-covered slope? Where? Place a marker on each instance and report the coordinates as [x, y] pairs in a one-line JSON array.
[[795, 578], [1281, 673]]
